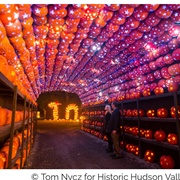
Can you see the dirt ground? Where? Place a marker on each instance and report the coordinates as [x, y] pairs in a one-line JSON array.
[[62, 145]]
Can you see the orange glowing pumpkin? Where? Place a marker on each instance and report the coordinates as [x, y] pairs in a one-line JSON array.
[[162, 113], [148, 134], [3, 116], [3, 159], [5, 149], [11, 74], [3, 65], [9, 116], [160, 135], [149, 156], [158, 90], [173, 112], [150, 113], [166, 162], [172, 139]]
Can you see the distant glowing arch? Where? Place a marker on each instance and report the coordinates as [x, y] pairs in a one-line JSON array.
[[54, 106], [72, 107]]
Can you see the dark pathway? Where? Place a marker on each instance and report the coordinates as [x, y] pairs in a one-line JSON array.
[[62, 145]]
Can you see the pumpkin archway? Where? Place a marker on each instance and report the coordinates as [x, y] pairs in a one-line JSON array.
[[71, 107]]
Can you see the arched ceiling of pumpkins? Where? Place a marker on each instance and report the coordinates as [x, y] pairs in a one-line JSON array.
[[97, 51]]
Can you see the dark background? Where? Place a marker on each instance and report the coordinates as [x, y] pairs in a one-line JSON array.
[[62, 97]]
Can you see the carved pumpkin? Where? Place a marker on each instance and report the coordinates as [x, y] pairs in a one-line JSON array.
[[9, 117], [136, 152], [172, 138], [166, 162], [142, 132], [141, 112], [3, 159], [146, 92], [149, 156], [150, 113], [11, 74], [162, 113], [3, 65], [3, 116], [173, 112], [149, 134], [5, 149], [160, 135], [129, 113], [135, 112], [158, 90], [19, 135], [135, 131], [172, 87]]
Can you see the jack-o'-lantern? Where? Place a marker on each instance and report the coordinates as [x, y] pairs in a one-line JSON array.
[[166, 162], [151, 113], [146, 92], [172, 87], [172, 138], [160, 135], [148, 134], [149, 156], [158, 90], [162, 113], [3, 159], [173, 112], [3, 116]]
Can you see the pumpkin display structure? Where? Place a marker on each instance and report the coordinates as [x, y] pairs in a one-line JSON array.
[[160, 135], [144, 39], [166, 162], [172, 139], [149, 156]]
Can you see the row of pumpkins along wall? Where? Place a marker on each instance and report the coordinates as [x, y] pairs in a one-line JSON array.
[[155, 76], [9, 72], [6, 116], [165, 161], [17, 144], [160, 112]]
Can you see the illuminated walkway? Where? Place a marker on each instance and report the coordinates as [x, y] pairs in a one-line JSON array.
[[62, 145]]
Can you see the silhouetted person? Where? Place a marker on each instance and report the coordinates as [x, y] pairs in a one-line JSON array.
[[114, 129], [107, 114]]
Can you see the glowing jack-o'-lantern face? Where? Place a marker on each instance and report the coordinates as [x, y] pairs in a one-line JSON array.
[[149, 156], [172, 138], [173, 112], [166, 162]]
